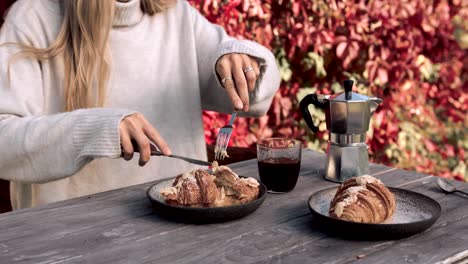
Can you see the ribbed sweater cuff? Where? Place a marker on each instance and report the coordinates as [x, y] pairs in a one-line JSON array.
[[96, 133], [241, 46]]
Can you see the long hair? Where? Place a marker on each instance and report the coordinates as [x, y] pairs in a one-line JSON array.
[[82, 41]]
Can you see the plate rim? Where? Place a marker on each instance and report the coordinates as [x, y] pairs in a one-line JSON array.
[[230, 207], [419, 222]]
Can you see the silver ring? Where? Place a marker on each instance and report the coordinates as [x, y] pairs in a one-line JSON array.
[[247, 69], [225, 79]]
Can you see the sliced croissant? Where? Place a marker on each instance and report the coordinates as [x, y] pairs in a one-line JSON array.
[[198, 188]]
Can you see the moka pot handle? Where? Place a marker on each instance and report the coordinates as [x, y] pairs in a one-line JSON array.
[[304, 106]]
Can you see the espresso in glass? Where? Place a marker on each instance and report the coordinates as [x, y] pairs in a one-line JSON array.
[[279, 162]]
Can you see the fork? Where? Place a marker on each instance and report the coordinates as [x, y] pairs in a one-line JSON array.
[[222, 139]]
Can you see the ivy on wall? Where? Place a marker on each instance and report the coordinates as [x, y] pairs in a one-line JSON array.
[[412, 54]]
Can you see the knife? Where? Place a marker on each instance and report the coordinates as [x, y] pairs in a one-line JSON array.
[[155, 152]]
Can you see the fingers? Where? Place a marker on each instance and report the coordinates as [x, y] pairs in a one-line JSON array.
[[223, 68], [136, 129], [144, 148], [126, 144], [255, 66], [241, 72], [240, 81], [154, 136], [250, 75]]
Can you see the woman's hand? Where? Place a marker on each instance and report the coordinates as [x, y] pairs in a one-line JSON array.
[[239, 73], [135, 127]]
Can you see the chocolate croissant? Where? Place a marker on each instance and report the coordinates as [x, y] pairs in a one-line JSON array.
[[363, 199]]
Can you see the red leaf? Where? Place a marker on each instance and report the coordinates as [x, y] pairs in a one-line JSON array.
[[383, 75], [430, 146], [340, 49]]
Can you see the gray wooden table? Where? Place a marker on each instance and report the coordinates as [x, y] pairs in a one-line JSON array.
[[120, 227]]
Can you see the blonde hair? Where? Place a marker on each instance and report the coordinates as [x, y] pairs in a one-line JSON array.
[[82, 40]]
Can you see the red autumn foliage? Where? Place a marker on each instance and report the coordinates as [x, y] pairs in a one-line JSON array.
[[412, 54]]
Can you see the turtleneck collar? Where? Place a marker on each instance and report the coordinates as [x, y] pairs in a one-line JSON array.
[[127, 13]]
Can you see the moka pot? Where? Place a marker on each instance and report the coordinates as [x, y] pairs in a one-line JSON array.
[[347, 117]]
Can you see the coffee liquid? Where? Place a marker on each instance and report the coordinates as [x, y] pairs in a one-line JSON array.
[[279, 174]]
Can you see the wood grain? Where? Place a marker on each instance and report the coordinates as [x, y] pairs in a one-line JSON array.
[[438, 243], [120, 227]]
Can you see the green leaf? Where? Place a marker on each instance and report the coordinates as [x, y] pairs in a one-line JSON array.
[[336, 87], [283, 65], [314, 60], [429, 71], [305, 91]]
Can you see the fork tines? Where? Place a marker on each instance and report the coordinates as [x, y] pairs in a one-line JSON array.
[[222, 140], [221, 145]]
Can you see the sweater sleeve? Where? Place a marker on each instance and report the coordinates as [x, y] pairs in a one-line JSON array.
[[212, 43], [37, 147]]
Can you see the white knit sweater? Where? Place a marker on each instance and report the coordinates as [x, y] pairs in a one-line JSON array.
[[162, 66]]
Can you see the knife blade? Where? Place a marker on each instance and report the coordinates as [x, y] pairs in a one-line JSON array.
[[155, 152], [187, 159]]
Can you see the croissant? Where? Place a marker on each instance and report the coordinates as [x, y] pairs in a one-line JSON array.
[[363, 199], [196, 189], [242, 190]]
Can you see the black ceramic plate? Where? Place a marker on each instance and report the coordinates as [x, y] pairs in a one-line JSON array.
[[414, 213], [200, 215]]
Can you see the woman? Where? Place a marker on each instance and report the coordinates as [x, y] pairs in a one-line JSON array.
[[80, 79]]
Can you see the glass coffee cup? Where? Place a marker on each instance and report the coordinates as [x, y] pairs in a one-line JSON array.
[[279, 162]]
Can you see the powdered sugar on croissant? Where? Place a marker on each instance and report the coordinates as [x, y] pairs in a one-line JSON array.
[[195, 188], [363, 199], [222, 188]]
